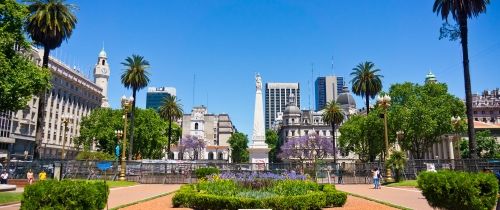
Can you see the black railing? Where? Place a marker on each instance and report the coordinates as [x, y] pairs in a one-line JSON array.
[[183, 172]]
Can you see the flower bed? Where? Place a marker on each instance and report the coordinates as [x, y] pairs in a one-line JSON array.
[[258, 190]]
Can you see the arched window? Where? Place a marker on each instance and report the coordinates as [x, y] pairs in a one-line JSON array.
[[196, 126], [220, 156], [210, 155], [103, 62], [171, 155], [180, 156]]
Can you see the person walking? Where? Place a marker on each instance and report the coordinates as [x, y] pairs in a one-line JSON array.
[[29, 175], [376, 178], [340, 175]]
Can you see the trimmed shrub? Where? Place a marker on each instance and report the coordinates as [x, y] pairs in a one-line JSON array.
[[334, 197], [204, 172], [65, 194], [208, 195], [459, 190], [87, 155]]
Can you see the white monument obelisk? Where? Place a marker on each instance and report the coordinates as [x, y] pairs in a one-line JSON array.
[[258, 149]]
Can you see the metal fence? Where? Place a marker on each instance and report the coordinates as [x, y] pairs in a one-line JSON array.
[[183, 172]]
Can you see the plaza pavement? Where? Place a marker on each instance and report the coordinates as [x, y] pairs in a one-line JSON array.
[[406, 197], [124, 195]]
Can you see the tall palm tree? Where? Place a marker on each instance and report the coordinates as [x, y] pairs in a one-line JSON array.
[[136, 77], [49, 23], [366, 82], [171, 109], [461, 11], [334, 115]]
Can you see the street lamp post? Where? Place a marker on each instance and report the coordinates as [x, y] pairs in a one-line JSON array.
[[455, 121], [385, 102], [66, 118], [126, 103]]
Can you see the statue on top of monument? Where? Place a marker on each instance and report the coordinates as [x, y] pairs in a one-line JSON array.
[[258, 82]]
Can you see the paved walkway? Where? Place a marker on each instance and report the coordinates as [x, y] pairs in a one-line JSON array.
[[125, 195], [406, 197]]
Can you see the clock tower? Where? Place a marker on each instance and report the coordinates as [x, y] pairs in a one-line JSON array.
[[101, 76]]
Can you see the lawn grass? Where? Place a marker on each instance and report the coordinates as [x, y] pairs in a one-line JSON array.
[[112, 184], [406, 183], [10, 197]]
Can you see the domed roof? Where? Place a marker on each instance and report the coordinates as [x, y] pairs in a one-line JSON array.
[[291, 108], [345, 98], [102, 54]]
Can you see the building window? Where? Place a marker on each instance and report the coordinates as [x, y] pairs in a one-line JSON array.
[[196, 126], [210, 155], [215, 136], [293, 133], [324, 133], [220, 156], [103, 62]]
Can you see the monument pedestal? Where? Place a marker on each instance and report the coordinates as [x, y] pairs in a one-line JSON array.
[[259, 157]]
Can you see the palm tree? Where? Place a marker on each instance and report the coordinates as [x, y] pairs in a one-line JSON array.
[[366, 82], [334, 115], [171, 109], [134, 76], [461, 10], [49, 23]]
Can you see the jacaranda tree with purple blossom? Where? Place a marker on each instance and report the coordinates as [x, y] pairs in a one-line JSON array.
[[307, 148], [191, 145]]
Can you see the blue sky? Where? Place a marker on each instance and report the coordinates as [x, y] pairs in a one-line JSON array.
[[224, 43]]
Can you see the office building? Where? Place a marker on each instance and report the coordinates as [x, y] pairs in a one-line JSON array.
[[327, 88], [72, 93], [155, 96], [276, 100]]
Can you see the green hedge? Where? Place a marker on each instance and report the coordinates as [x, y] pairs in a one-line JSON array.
[[188, 196], [65, 194], [459, 190], [204, 172]]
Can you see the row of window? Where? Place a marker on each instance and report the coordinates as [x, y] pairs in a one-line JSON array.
[[484, 112]]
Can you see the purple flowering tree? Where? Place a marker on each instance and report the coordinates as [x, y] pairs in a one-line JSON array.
[[191, 145], [307, 148]]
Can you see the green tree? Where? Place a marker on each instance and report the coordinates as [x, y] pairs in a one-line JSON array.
[[49, 23], [170, 110], [272, 140], [366, 82], [22, 78], [239, 145], [461, 11], [487, 146], [334, 115], [99, 128], [423, 113], [363, 135], [149, 134], [135, 77]]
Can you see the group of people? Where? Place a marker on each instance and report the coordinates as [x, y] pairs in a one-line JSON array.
[[31, 177], [377, 176]]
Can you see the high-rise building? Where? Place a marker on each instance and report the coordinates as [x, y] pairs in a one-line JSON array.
[[155, 96], [72, 93], [276, 100], [327, 88]]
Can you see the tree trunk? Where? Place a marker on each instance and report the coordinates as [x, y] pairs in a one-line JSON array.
[[132, 119], [371, 154], [334, 145], [468, 94], [169, 137], [41, 111]]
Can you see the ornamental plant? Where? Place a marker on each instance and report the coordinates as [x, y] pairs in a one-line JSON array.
[[459, 190]]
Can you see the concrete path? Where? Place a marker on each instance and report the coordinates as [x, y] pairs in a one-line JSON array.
[[124, 195], [406, 197]]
